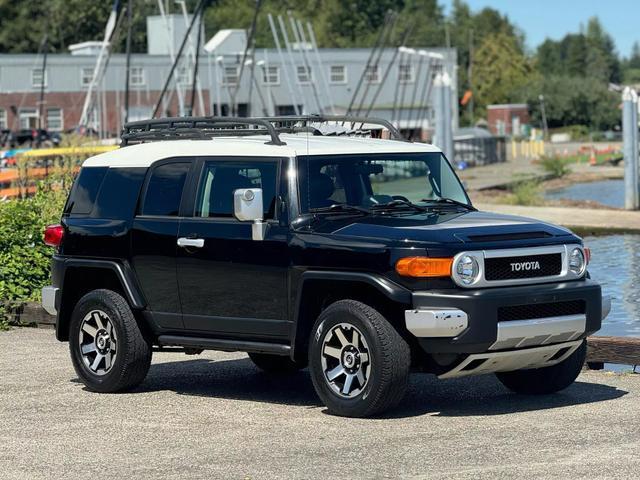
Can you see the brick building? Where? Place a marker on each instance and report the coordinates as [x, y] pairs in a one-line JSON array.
[[507, 119], [323, 82]]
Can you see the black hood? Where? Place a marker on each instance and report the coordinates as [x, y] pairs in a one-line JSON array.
[[441, 228]]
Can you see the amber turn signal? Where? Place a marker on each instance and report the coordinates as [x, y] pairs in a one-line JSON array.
[[424, 267]]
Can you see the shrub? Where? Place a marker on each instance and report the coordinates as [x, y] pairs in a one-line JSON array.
[[24, 258], [525, 193], [556, 166]]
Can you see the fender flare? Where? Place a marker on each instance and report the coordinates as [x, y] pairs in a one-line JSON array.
[[386, 287], [124, 273]]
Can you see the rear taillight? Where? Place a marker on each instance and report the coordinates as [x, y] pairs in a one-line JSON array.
[[53, 235]]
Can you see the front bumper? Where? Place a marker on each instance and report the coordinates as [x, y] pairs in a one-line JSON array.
[[468, 321]]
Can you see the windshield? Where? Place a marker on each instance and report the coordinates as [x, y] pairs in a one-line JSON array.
[[370, 180]]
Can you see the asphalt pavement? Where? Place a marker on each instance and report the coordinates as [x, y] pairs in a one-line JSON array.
[[216, 416]]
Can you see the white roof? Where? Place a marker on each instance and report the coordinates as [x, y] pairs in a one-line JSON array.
[[144, 154]]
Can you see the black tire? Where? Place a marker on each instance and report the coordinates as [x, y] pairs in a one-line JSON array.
[[389, 354], [274, 363], [542, 381], [132, 356]]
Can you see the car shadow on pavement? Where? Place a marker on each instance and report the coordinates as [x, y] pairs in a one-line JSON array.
[[471, 396]]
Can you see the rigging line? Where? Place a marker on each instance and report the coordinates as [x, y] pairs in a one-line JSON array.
[[252, 32], [364, 72], [405, 35], [285, 36], [426, 94], [298, 33], [325, 82], [199, 9], [389, 34], [285, 71], [36, 60], [416, 84], [403, 88]]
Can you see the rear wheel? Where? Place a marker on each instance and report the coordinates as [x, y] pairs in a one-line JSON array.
[[540, 381], [108, 350], [359, 363], [274, 363]]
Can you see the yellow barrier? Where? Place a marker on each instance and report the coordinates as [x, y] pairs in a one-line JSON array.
[[53, 152]]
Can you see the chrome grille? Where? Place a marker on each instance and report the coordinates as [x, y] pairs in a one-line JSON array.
[[506, 268]]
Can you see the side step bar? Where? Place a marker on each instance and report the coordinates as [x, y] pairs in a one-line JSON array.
[[224, 344]]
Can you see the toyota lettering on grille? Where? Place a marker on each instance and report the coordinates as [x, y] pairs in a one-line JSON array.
[[519, 266]]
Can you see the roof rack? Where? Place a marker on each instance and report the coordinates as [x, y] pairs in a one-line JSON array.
[[203, 128]]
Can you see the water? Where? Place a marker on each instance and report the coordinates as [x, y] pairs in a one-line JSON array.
[[606, 192], [616, 266]]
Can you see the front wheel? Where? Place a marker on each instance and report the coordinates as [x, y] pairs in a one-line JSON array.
[[359, 363], [541, 381], [108, 350]]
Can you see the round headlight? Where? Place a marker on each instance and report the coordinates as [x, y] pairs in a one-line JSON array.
[[577, 263], [467, 269]]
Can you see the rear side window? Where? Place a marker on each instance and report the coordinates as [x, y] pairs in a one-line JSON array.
[[118, 195], [164, 189], [85, 190]]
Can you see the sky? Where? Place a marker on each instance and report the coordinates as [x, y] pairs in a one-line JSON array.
[[540, 19]]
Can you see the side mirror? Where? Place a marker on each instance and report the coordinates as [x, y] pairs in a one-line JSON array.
[[248, 207]]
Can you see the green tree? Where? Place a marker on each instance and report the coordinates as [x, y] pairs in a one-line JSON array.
[[500, 68]]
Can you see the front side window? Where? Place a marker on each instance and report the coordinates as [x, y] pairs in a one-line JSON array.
[[369, 180], [220, 180], [164, 189]]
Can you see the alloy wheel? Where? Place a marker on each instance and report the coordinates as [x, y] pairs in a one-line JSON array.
[[98, 342], [346, 362]]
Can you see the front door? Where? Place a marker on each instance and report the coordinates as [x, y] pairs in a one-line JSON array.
[[231, 285]]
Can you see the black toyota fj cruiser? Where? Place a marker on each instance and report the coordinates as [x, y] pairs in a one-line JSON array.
[[360, 257]]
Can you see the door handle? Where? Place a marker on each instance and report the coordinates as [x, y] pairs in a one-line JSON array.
[[191, 242]]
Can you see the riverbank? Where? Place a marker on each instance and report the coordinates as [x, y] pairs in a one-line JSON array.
[[586, 221]]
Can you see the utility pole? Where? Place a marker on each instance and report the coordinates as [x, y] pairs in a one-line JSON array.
[[545, 127], [470, 78], [45, 51], [128, 65], [630, 148]]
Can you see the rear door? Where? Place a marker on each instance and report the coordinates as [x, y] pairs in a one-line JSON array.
[[154, 235], [231, 285]]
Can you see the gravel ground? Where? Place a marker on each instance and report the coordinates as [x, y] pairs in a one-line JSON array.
[[217, 416]]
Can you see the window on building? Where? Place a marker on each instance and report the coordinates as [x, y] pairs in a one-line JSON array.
[[3, 119], [28, 117], [337, 74], [271, 75], [230, 75], [86, 75], [405, 73], [136, 77], [185, 76], [164, 190], [304, 74], [372, 74], [55, 120], [38, 78]]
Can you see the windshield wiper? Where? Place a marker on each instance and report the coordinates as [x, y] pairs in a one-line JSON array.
[[398, 203], [341, 208], [450, 201]]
